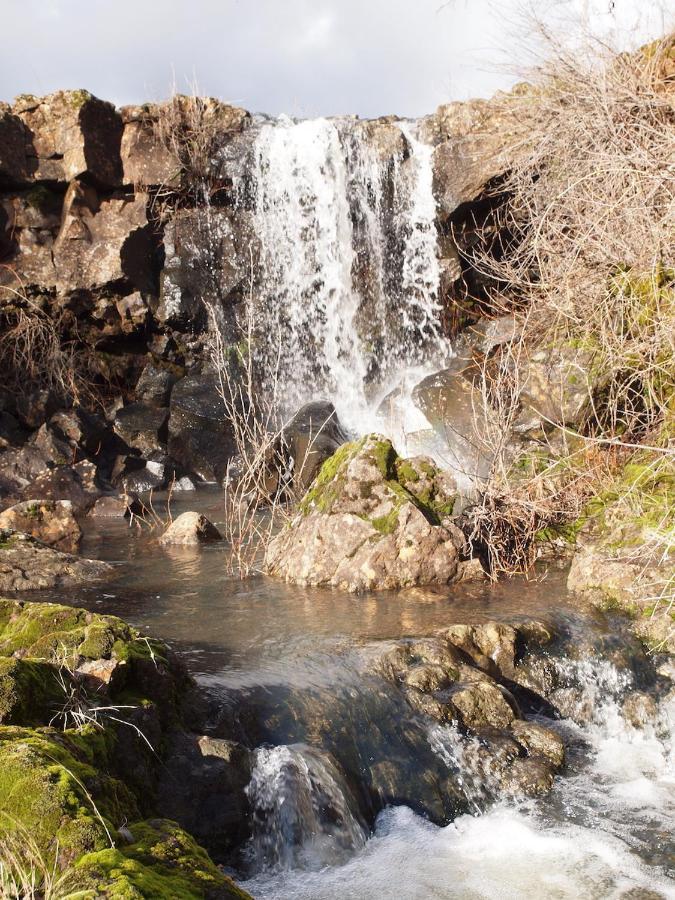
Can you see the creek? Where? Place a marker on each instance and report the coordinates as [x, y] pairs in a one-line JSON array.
[[344, 792]]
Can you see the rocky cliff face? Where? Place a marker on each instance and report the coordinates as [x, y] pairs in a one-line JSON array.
[[116, 225]]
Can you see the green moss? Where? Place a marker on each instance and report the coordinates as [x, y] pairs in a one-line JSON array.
[[76, 99], [163, 862], [47, 790], [30, 693]]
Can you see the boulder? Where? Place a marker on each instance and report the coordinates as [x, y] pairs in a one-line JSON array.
[[557, 387], [154, 386], [50, 521], [360, 527], [190, 528], [200, 438], [70, 134], [28, 565], [143, 427]]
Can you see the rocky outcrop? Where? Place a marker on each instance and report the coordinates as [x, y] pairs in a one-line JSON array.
[[88, 709], [371, 521], [475, 677]]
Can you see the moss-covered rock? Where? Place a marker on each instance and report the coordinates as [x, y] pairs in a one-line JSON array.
[[162, 862], [67, 796], [371, 520]]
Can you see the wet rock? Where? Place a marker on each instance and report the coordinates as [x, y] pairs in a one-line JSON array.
[[202, 787], [538, 740], [639, 709], [26, 564], [50, 521], [310, 438], [200, 439], [151, 477], [359, 528], [186, 280], [154, 386], [190, 528], [80, 428], [145, 428], [482, 704]]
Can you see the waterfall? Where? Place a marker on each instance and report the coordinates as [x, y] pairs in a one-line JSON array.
[[347, 286], [303, 812]]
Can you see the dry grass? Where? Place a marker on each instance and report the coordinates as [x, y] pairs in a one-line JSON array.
[[585, 258]]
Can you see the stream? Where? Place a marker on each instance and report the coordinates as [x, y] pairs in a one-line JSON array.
[[345, 792]]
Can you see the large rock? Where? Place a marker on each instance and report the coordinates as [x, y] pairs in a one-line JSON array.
[[69, 134], [29, 565], [190, 528], [146, 160], [361, 527], [444, 678], [50, 521], [143, 427], [200, 438]]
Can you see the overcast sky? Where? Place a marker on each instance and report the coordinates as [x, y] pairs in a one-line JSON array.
[[302, 57]]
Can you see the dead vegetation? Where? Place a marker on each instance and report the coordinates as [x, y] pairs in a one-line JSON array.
[[585, 260]]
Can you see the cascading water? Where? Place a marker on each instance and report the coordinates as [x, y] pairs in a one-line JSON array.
[[603, 832], [302, 811], [347, 293]]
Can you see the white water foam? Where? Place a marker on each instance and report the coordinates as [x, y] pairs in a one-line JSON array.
[[602, 833]]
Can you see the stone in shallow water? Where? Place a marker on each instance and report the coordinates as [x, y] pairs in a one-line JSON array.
[[360, 527], [190, 528]]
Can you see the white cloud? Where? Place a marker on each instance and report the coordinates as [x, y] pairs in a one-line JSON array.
[[305, 57]]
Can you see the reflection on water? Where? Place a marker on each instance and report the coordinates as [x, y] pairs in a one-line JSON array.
[[260, 628]]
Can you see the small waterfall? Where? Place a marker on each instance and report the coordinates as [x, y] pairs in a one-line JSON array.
[[303, 812], [347, 293]]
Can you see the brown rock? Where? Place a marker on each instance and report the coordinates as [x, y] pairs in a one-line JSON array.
[[50, 521], [482, 704], [190, 528]]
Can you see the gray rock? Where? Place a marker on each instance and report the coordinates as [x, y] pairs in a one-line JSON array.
[[27, 565], [154, 386], [145, 428], [200, 438]]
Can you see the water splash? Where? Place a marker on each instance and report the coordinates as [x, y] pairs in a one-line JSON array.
[[303, 812]]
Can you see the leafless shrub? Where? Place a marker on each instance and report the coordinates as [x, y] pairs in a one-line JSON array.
[[34, 351], [585, 258]]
